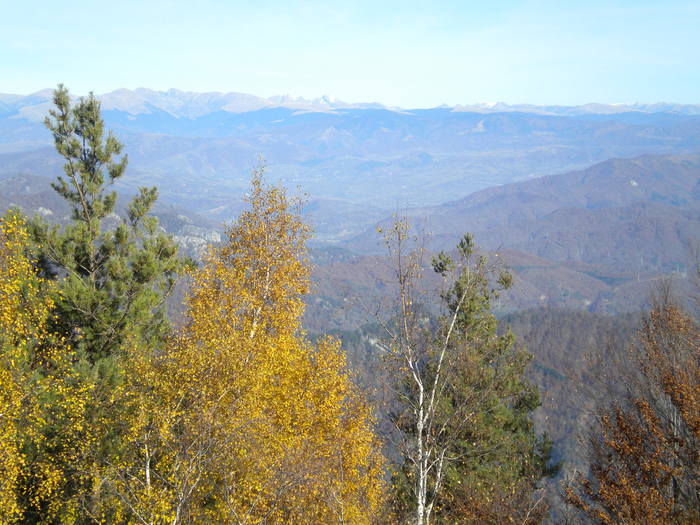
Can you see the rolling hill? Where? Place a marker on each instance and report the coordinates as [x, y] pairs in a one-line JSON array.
[[633, 215]]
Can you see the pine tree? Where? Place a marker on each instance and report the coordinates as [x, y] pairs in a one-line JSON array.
[[470, 454], [112, 281], [111, 278]]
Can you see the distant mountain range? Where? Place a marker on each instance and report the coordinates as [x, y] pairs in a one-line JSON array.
[[200, 147], [177, 103], [583, 109], [192, 105], [592, 236]]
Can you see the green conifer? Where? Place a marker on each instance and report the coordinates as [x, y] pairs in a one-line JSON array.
[[113, 277], [499, 458]]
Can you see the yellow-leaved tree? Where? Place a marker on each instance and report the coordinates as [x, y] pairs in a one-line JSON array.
[[240, 419], [42, 402]]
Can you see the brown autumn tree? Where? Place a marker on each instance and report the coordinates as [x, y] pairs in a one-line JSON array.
[[645, 464]]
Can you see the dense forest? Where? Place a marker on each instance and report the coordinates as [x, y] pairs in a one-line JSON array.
[[434, 410]]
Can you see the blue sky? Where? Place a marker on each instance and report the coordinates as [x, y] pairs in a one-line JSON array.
[[406, 53]]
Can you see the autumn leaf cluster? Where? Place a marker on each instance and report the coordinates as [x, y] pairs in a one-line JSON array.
[[645, 465], [235, 418]]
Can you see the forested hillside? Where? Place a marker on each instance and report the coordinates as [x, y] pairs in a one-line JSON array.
[[158, 367], [623, 213]]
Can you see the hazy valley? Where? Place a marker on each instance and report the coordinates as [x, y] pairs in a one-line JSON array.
[[588, 239], [363, 159]]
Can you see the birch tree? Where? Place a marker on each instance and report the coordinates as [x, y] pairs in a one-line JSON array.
[[462, 400], [240, 419]]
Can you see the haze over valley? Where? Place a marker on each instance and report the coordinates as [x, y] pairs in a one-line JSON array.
[[362, 160], [624, 214]]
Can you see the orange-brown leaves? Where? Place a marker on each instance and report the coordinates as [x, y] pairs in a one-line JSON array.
[[646, 467]]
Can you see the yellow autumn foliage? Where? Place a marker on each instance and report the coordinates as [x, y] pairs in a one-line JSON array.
[[240, 419], [41, 403], [15, 323]]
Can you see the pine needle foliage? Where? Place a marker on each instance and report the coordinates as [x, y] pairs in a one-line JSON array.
[[113, 277]]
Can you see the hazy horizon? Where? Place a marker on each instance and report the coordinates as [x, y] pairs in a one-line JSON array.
[[334, 98], [405, 54]]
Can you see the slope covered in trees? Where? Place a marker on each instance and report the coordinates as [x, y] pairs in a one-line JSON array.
[[622, 215], [109, 414]]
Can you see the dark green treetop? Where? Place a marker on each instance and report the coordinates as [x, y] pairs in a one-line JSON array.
[[114, 280]]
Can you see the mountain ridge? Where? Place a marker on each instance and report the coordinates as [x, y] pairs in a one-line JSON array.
[[193, 104], [634, 213]]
